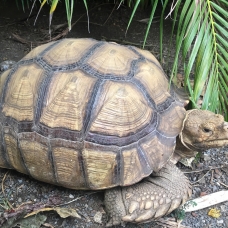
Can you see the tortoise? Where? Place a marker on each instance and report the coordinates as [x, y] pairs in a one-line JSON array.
[[87, 114]]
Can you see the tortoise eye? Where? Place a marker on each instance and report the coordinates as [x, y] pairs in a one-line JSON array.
[[206, 130]]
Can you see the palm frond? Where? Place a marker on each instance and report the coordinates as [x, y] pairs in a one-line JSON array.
[[202, 36]]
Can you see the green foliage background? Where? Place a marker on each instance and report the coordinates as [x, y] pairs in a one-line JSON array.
[[201, 40]]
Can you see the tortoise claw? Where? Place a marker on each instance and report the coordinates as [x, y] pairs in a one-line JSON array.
[[145, 216], [130, 217]]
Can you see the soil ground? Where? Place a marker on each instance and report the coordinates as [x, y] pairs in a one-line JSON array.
[[105, 24]]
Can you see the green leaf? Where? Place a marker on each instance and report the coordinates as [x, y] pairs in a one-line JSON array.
[[161, 29], [181, 31], [220, 19], [69, 11], [204, 46], [132, 15], [223, 41], [87, 12], [150, 21], [53, 7], [221, 29], [220, 9]]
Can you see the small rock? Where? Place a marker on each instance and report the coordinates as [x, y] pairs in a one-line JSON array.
[[6, 65], [225, 169], [220, 221], [215, 188], [71, 196], [226, 222], [98, 217], [203, 194], [217, 176], [19, 200], [93, 212], [199, 165], [202, 179], [194, 214], [218, 172], [223, 208], [206, 157]]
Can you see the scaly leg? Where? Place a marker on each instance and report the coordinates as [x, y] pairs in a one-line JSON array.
[[153, 197]]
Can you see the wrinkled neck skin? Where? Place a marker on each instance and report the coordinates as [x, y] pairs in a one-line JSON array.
[[181, 151]]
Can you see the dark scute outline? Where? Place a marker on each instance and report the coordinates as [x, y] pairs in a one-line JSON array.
[[123, 141], [160, 107], [94, 98], [82, 65], [42, 95], [3, 149], [12, 133]]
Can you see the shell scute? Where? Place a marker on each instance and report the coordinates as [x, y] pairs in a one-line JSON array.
[[100, 164], [36, 155], [134, 165], [37, 51], [154, 82], [132, 114], [68, 165], [147, 55], [21, 93], [171, 121], [67, 99], [112, 59], [13, 154], [69, 51], [158, 149]]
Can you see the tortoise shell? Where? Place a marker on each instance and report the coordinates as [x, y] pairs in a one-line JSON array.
[[86, 114]]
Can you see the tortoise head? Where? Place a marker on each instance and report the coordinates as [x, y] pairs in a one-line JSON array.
[[203, 129]]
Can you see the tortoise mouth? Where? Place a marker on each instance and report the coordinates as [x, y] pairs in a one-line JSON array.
[[210, 144]]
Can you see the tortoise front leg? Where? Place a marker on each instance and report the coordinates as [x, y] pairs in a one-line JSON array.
[[114, 205], [152, 198]]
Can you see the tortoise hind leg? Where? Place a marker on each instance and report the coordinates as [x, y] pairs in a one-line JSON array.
[[152, 198]]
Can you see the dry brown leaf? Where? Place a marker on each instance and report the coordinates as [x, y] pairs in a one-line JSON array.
[[66, 212], [48, 225], [170, 223], [63, 212]]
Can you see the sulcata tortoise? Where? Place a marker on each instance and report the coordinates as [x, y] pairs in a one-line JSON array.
[[86, 114]]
